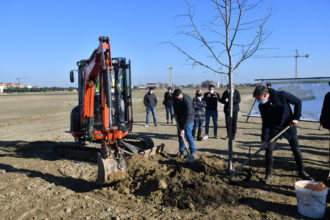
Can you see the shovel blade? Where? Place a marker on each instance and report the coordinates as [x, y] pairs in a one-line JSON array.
[[111, 170]]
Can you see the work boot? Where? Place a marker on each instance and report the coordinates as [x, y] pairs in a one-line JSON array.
[[180, 155], [168, 121], [199, 138], [267, 180], [305, 176], [171, 121]]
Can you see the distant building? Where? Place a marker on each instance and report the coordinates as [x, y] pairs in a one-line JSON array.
[[157, 85], [141, 86], [1, 89], [4, 85], [152, 85], [28, 86]]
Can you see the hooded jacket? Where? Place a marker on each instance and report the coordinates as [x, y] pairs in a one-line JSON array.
[[276, 114]]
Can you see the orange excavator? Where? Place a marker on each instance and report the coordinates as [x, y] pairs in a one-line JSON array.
[[104, 115]]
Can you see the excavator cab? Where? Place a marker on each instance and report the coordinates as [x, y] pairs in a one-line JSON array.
[[121, 103]]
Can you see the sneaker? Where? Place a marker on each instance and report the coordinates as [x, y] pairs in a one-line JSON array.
[[146, 125], [156, 125], [267, 180], [305, 176], [205, 137], [171, 121], [226, 138], [216, 137], [199, 138], [233, 138], [167, 122]]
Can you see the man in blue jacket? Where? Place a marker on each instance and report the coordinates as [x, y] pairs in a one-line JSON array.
[[185, 114], [276, 114]]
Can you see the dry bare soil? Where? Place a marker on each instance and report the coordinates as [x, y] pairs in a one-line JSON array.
[[35, 184]]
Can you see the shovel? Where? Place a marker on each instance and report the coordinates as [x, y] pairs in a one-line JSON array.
[[190, 158], [257, 152]]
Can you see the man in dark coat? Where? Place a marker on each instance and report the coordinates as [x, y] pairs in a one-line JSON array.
[[211, 98], [150, 102], [185, 114], [325, 117], [199, 105], [276, 114], [325, 113], [236, 100], [168, 102]]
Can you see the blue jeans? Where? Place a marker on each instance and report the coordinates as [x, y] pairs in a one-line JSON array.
[[197, 124], [214, 115], [169, 109], [153, 110], [190, 139]]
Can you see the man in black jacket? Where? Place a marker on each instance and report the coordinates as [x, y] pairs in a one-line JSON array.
[[168, 102], [276, 114], [236, 100], [211, 98], [325, 114], [185, 114], [325, 117], [150, 102]]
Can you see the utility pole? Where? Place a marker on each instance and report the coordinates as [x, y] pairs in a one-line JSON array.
[[170, 68], [296, 59]]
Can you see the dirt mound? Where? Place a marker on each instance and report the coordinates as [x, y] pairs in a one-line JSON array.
[[174, 182]]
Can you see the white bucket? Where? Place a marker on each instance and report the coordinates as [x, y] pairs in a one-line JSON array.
[[310, 203]]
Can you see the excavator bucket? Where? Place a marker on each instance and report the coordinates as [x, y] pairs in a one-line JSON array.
[[110, 169]]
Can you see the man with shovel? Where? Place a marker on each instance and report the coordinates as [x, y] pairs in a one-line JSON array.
[[276, 114], [184, 114]]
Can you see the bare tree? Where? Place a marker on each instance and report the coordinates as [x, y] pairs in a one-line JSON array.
[[230, 37]]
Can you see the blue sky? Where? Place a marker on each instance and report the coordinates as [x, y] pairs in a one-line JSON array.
[[41, 40]]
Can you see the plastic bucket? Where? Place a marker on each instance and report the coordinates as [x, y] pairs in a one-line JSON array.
[[310, 203]]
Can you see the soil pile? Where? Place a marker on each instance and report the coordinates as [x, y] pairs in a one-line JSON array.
[[171, 181]]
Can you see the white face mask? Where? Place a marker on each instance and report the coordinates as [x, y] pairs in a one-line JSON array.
[[150, 92], [199, 98], [169, 91], [228, 90], [211, 91]]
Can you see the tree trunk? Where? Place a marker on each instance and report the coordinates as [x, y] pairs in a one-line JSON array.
[[230, 126]]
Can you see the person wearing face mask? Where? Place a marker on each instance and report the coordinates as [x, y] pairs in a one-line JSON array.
[[184, 113], [199, 105], [236, 101], [276, 114], [168, 103], [211, 98], [150, 102]]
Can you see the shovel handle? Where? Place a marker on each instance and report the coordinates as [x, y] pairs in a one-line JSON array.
[[184, 142], [257, 152]]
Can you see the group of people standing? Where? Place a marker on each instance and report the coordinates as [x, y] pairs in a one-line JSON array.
[[205, 107]]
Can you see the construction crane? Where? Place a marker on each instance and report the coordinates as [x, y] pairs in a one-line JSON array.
[[19, 79], [295, 56]]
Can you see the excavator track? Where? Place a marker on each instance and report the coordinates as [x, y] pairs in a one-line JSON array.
[[89, 152]]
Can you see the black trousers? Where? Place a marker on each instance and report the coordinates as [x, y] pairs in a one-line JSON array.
[[234, 123], [295, 150]]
